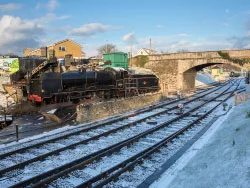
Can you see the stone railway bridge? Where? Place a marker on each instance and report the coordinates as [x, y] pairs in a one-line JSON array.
[[178, 70]]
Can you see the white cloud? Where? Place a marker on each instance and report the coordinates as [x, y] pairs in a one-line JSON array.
[[180, 35], [129, 37], [39, 6], [17, 34], [240, 42], [248, 34], [64, 17], [9, 7], [90, 29], [49, 18], [159, 26], [225, 24], [52, 4]]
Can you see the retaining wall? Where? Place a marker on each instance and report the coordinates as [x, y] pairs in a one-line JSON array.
[[94, 111]]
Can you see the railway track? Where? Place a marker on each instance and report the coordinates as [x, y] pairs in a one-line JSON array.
[[98, 141], [90, 126]]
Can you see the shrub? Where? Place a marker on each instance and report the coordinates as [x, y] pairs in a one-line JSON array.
[[237, 129], [248, 114]]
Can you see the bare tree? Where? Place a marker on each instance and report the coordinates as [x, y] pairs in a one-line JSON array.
[[182, 50], [164, 52], [106, 49]]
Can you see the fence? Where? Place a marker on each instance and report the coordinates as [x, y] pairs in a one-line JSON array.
[[240, 98]]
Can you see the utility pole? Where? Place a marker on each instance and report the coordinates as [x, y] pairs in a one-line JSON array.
[[131, 47], [106, 46], [150, 45]]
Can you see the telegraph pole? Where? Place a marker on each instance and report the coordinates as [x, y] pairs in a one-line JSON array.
[[131, 47], [150, 45], [106, 46]]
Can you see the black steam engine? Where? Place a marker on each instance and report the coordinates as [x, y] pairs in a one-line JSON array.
[[54, 87]]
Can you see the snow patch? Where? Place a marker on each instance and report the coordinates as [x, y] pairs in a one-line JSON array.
[[203, 78]]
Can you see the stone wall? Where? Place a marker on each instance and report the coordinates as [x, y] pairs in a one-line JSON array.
[[100, 110], [166, 70]]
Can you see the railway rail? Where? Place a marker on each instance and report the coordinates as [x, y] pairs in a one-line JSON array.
[[101, 140]]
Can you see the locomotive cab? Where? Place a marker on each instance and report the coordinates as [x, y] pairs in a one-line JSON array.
[[118, 75]]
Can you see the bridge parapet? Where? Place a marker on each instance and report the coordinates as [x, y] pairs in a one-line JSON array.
[[200, 55]]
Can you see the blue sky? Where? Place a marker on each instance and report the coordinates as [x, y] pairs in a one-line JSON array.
[[193, 25]]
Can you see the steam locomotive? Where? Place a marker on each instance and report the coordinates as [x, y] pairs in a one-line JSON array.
[[112, 82]]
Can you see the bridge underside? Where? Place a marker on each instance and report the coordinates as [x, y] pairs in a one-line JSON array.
[[186, 79]]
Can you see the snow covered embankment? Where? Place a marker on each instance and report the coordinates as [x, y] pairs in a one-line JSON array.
[[203, 78], [222, 161]]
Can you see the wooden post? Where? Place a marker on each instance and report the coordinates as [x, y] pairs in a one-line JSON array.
[[235, 99], [17, 136], [5, 120]]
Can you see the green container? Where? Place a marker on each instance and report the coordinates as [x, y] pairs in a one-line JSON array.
[[116, 59]]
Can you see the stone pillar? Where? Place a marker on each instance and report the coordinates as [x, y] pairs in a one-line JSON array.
[[188, 79], [179, 81]]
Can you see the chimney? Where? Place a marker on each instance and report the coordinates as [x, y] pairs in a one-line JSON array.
[[43, 51]]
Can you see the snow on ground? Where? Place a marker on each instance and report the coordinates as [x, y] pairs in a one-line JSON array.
[[39, 136], [51, 111], [140, 70], [221, 158], [203, 78]]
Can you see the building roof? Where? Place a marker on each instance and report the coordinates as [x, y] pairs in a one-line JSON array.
[[61, 41]]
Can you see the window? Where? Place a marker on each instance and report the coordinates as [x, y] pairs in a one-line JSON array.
[[62, 48]]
